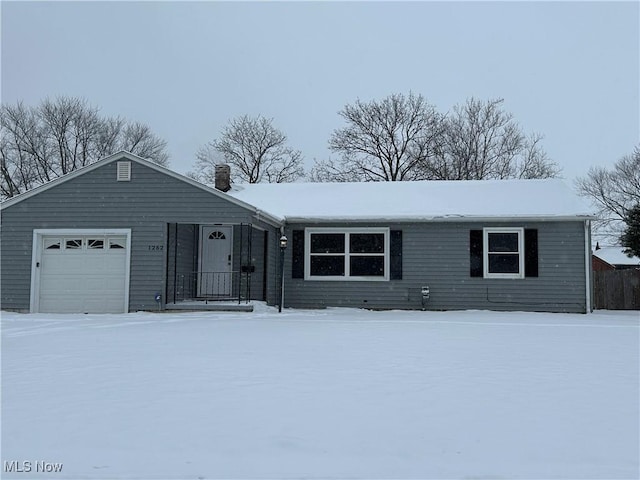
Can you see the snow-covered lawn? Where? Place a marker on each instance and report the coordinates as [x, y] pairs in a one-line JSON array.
[[335, 393]]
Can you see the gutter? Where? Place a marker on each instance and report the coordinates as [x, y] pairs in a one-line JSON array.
[[587, 265], [444, 218], [263, 216]]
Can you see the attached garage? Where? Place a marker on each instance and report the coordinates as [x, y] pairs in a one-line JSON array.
[[104, 238], [80, 271]]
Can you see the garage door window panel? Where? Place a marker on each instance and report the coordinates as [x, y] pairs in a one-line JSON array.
[[95, 244], [117, 243], [73, 244], [52, 244]]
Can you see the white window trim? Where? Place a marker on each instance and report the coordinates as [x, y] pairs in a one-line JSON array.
[[346, 278], [485, 252], [36, 257]]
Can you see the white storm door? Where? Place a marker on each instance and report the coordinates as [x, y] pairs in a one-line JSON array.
[[216, 258]]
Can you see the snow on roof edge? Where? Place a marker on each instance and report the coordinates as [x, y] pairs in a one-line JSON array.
[[614, 255], [436, 218], [541, 199]]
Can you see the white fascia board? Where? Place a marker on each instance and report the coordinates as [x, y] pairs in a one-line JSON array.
[[436, 219]]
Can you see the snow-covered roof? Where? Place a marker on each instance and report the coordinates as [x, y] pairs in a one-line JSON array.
[[616, 256], [423, 200]]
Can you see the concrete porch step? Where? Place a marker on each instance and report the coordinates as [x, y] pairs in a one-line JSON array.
[[210, 307]]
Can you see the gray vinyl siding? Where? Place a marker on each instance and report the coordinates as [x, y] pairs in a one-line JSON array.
[[146, 205], [257, 262], [437, 255]]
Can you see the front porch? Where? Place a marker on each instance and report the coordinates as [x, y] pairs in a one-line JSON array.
[[210, 306], [215, 266]]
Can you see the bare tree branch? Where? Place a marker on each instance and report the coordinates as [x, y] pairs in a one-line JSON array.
[[404, 138], [614, 192], [256, 149], [382, 141], [58, 136], [534, 162], [482, 141]]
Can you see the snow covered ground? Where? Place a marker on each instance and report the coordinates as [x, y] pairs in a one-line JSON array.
[[336, 393]]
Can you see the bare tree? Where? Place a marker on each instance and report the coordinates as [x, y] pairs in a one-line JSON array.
[[482, 141], [330, 170], [22, 150], [70, 129], [382, 141], [256, 149], [138, 138], [59, 136], [404, 138], [614, 192], [533, 161]]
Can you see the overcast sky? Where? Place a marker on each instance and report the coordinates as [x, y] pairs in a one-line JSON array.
[[569, 71]]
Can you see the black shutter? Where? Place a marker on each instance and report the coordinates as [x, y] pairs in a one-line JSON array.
[[395, 255], [475, 253], [297, 254], [531, 252]]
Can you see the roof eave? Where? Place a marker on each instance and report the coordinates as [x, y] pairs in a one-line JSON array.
[[438, 219]]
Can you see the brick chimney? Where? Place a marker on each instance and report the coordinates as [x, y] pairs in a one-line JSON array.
[[223, 177]]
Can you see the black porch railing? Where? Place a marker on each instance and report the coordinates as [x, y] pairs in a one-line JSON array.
[[189, 276], [209, 286]]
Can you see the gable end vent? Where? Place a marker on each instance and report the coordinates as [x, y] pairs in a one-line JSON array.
[[124, 172]]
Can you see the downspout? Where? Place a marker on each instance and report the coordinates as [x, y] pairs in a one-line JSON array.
[[587, 263]]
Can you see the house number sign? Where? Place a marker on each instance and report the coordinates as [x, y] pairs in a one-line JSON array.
[[156, 248]]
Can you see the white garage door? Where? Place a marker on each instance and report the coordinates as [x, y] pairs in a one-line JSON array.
[[83, 274]]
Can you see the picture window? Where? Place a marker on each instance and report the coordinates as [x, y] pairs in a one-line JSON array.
[[347, 254]]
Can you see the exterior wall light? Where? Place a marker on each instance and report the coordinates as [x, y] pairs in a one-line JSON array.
[[283, 247]]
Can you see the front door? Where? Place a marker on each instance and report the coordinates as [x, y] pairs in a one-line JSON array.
[[216, 258]]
